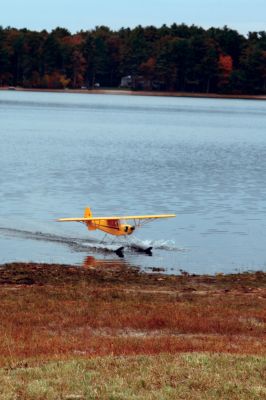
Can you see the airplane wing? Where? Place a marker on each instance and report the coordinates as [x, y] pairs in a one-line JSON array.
[[127, 217]]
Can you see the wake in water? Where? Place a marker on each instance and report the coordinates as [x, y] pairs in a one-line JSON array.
[[132, 245], [155, 244], [93, 244]]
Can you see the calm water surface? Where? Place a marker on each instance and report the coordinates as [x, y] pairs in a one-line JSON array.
[[203, 159]]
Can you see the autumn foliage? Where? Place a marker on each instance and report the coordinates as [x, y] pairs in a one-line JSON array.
[[179, 58], [226, 68]]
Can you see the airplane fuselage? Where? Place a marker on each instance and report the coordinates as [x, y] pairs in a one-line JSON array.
[[112, 227]]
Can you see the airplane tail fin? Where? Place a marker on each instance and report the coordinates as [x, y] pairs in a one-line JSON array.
[[87, 213], [90, 224]]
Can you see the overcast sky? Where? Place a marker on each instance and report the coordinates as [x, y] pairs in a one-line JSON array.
[[243, 15]]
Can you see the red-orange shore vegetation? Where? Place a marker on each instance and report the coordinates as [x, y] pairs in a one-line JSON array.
[[53, 311]]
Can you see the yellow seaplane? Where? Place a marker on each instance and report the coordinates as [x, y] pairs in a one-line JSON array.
[[115, 226]]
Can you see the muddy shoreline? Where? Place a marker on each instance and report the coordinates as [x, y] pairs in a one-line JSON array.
[[119, 275]]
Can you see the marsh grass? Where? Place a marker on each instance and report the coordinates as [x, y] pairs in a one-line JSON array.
[[70, 312], [189, 376]]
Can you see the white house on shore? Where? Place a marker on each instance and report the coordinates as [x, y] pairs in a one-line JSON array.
[[126, 81]]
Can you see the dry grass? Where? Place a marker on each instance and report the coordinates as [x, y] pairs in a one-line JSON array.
[[53, 312], [191, 376]]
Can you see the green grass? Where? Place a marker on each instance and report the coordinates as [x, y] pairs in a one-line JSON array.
[[186, 376]]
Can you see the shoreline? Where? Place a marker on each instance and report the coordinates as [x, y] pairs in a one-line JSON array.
[[115, 273], [139, 93]]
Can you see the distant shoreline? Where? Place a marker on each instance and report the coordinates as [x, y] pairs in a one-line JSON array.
[[141, 93]]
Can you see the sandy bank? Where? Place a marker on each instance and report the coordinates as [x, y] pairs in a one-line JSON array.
[[142, 93]]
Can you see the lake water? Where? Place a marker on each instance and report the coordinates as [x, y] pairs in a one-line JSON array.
[[203, 159]]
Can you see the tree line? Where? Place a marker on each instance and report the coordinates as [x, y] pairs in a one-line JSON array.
[[174, 58]]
